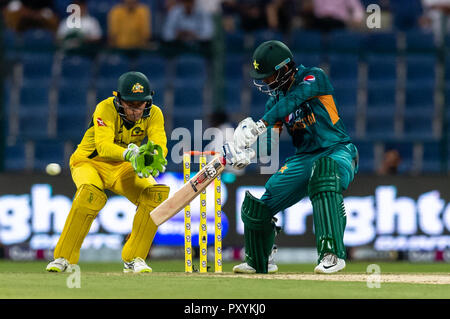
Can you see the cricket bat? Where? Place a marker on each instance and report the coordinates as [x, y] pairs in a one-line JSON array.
[[189, 191]]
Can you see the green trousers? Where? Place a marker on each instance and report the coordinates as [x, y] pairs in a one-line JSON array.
[[289, 184]]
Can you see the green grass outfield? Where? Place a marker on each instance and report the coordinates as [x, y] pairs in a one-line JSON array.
[[28, 280]]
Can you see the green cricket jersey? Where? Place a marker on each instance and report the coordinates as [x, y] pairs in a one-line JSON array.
[[308, 112]]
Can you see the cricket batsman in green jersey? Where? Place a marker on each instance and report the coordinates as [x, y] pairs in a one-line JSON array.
[[325, 162]]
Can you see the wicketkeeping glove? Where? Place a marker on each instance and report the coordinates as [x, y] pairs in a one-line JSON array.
[[135, 155], [155, 163], [146, 160]]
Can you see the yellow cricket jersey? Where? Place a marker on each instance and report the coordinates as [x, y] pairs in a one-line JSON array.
[[108, 135]]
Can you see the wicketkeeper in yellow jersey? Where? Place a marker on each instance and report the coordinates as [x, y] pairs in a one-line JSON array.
[[111, 156]]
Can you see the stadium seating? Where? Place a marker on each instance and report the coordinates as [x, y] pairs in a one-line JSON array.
[[154, 67], [77, 68], [72, 111], [72, 98], [34, 94], [104, 88], [381, 96], [406, 151], [307, 59], [7, 101], [381, 69], [380, 42], [420, 69], [419, 98], [344, 69], [420, 41], [406, 13], [432, 157], [345, 95], [343, 41], [234, 66], [37, 66], [37, 39], [348, 116], [366, 152], [447, 67], [159, 90], [342, 53], [234, 42], [186, 117], [380, 126], [306, 41], [418, 125], [33, 123], [190, 68], [15, 158], [233, 96], [48, 151], [99, 9], [112, 66], [381, 111], [72, 126], [187, 95], [264, 35], [258, 102]]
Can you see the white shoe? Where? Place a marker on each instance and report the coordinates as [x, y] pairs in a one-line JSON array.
[[137, 265], [245, 268], [329, 264], [58, 265]]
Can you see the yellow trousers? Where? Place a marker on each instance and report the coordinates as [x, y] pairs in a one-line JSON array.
[[91, 178]]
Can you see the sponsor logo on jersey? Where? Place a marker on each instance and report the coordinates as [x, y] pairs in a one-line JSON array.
[[309, 78], [291, 118], [137, 131], [300, 119], [100, 122], [137, 88]]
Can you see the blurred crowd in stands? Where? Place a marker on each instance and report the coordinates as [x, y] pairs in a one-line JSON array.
[[392, 100], [135, 23]]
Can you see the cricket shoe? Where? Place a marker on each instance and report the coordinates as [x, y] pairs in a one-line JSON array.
[[329, 264], [137, 265], [58, 265], [245, 268]]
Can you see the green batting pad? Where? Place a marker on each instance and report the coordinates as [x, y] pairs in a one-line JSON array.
[[259, 232], [328, 208]]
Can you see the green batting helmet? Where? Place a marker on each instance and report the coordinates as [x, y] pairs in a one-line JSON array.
[[133, 86], [269, 57]]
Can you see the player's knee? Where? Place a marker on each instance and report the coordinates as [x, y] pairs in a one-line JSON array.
[[324, 177], [154, 195], [91, 197]]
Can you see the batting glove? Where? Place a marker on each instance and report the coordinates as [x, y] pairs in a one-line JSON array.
[[237, 158], [247, 132]]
